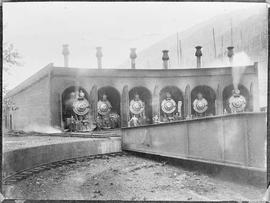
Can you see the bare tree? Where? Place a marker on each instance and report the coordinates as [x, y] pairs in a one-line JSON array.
[[10, 56], [11, 59]]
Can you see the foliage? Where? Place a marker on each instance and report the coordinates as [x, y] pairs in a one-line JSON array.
[[11, 59], [10, 56]]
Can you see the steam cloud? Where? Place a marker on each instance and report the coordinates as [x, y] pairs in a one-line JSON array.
[[240, 61]]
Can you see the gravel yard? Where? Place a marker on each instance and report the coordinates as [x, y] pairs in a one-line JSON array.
[[129, 178]]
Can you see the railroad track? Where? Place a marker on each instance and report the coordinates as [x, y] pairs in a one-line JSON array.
[[14, 178]]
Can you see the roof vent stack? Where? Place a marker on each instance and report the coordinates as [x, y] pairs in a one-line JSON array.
[[65, 52], [99, 57], [198, 54], [165, 58], [230, 54], [133, 56]]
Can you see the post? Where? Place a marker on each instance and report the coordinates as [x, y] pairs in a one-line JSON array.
[[180, 52], [241, 39], [133, 56], [187, 102], [165, 58], [214, 39], [250, 99], [230, 54], [177, 48], [219, 101], [93, 102], [179, 110], [99, 56], [222, 52], [156, 102], [125, 107], [231, 33], [61, 111], [65, 52], [198, 54]]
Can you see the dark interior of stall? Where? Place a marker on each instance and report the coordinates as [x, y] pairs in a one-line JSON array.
[[176, 95], [67, 108], [209, 94], [113, 97], [145, 96], [227, 93]]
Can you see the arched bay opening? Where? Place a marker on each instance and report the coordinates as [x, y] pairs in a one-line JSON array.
[[109, 101], [69, 95], [113, 97], [228, 93], [171, 102], [141, 95], [203, 101]]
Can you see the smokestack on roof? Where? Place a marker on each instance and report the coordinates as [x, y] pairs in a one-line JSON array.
[[133, 56], [165, 58], [65, 52], [230, 54], [198, 54], [99, 56]]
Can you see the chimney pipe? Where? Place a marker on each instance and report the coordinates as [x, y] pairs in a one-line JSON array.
[[165, 58], [133, 56], [230, 54], [198, 54], [99, 56], [65, 52]]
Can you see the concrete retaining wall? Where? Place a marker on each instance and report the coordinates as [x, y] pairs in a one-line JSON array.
[[234, 140], [21, 159]]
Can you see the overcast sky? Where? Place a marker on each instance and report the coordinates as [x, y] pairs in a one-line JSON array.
[[38, 30]]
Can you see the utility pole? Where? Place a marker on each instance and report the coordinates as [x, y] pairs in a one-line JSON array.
[[222, 51], [177, 44], [231, 34], [214, 43], [180, 52], [241, 37]]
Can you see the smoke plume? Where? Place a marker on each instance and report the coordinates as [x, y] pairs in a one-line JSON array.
[[240, 61]]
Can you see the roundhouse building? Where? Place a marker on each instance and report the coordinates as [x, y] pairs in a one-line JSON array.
[[41, 98]]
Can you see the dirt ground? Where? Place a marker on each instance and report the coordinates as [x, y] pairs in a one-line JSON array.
[[128, 178]]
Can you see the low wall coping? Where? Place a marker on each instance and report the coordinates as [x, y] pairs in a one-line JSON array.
[[198, 119]]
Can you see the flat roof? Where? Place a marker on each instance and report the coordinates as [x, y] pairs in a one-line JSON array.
[[54, 71]]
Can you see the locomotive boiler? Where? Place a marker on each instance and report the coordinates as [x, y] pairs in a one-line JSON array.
[[77, 110]]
